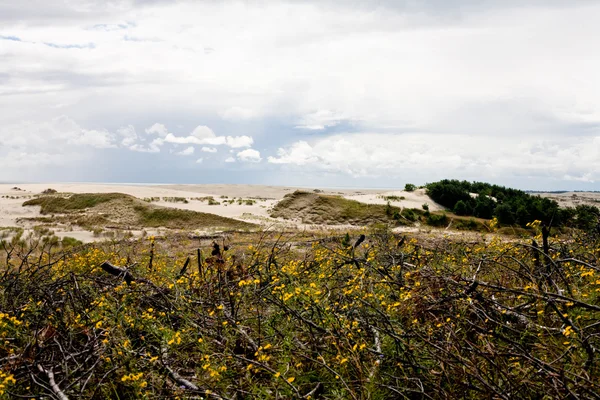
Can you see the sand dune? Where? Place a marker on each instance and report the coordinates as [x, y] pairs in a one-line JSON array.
[[12, 212]]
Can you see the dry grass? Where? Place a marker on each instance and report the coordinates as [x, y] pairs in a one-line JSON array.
[[290, 316], [93, 210], [313, 208]]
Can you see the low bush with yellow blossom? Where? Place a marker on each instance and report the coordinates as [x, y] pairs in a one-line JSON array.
[[302, 316]]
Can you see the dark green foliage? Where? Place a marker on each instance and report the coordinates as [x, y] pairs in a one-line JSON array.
[[468, 225], [586, 217], [437, 219], [410, 214], [448, 193], [461, 208], [70, 242], [346, 241], [484, 207], [409, 187], [504, 214], [394, 198], [484, 200]]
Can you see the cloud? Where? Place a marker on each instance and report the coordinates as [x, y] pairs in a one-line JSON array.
[[153, 147], [158, 129], [230, 160], [209, 149], [435, 156], [199, 161], [239, 141], [203, 132], [447, 70], [204, 135], [71, 46], [13, 38], [249, 155], [320, 120], [128, 134], [186, 152], [59, 134]]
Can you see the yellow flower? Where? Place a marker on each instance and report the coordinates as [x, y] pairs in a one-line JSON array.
[[291, 379]]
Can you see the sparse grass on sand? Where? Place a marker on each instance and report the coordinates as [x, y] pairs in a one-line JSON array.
[[313, 208], [154, 217], [64, 204], [101, 209]]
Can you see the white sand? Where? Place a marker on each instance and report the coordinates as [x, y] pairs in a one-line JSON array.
[[414, 199], [11, 209], [573, 199]]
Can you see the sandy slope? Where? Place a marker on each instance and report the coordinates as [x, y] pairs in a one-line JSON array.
[[11, 200], [573, 199], [414, 199]]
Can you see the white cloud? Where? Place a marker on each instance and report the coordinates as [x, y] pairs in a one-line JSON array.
[[97, 139], [519, 71], [199, 161], [239, 141], [128, 134], [59, 134], [230, 160], [158, 129], [153, 147], [320, 120], [187, 151], [219, 140], [203, 132], [209, 149], [447, 156], [249, 155], [299, 153], [204, 135]]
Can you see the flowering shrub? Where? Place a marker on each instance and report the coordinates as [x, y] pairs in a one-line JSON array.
[[294, 316]]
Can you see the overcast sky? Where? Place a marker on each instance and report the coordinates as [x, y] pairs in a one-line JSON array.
[[313, 93]]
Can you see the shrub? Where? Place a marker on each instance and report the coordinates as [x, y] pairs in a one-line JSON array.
[[437, 219], [461, 208], [70, 242]]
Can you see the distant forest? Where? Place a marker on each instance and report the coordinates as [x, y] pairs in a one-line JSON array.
[[509, 206]]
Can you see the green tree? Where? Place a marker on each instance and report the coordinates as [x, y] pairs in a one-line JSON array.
[[504, 214], [461, 208]]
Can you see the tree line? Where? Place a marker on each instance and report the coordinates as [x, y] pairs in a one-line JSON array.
[[509, 206]]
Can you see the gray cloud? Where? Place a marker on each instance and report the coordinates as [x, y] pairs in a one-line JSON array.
[[13, 38], [71, 46], [297, 81]]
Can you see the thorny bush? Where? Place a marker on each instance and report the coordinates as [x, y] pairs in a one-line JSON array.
[[288, 317]]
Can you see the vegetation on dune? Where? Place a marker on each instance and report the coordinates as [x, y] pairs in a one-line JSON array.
[[293, 317], [179, 219], [96, 210], [510, 206], [74, 202], [313, 208]]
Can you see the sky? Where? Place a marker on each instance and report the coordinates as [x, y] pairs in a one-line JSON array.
[[335, 93]]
